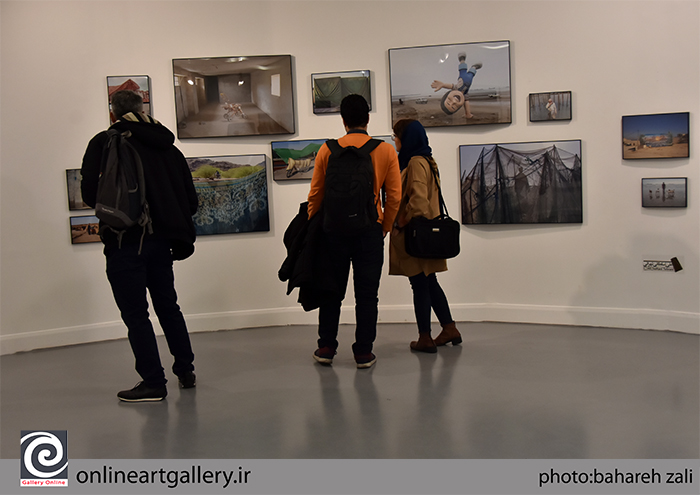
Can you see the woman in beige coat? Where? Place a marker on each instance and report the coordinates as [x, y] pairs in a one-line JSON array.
[[420, 198]]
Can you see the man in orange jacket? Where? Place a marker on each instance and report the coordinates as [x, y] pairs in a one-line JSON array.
[[364, 250]]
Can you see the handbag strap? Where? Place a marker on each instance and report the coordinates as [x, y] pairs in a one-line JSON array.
[[436, 176]]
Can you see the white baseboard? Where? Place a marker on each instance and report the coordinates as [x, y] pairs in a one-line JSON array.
[[647, 319]]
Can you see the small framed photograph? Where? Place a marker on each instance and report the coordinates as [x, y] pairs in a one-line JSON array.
[[665, 192], [534, 182], [451, 85], [75, 196], [329, 89], [550, 106], [661, 135], [234, 96], [84, 229], [294, 160], [387, 139], [140, 84], [232, 193]]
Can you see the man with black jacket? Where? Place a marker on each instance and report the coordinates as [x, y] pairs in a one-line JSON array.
[[132, 267]]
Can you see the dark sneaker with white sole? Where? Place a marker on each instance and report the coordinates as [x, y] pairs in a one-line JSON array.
[[324, 355], [365, 360], [188, 380], [143, 393]]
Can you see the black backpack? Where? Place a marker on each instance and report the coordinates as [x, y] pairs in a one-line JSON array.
[[121, 191], [349, 203]]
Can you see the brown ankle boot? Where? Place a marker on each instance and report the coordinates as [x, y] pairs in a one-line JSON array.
[[424, 344], [449, 334]]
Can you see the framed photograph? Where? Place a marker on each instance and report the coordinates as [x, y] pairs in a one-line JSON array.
[[448, 85], [232, 193], [387, 139], [329, 89], [661, 135], [84, 229], [535, 182], [75, 196], [294, 160], [234, 96], [666, 192], [140, 84], [550, 106]]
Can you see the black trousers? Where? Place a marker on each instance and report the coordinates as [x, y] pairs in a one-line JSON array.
[[365, 252], [130, 275], [427, 295]]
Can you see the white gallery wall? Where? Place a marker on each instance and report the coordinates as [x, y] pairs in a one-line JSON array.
[[616, 57]]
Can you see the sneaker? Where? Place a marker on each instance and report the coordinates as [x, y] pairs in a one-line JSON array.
[[143, 393], [365, 360], [188, 380], [324, 355]]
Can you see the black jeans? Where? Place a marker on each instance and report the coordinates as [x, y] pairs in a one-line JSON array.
[[130, 275], [427, 295], [366, 254]]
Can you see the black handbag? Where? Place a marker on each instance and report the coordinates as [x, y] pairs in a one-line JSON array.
[[436, 238]]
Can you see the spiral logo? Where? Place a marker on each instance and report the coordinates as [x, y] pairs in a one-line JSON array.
[[44, 455]]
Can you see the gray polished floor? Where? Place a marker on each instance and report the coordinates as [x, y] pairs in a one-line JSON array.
[[510, 391]]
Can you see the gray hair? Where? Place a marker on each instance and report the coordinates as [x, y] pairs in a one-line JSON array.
[[126, 101]]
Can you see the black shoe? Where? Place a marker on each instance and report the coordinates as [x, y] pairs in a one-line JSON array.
[[143, 393], [188, 380], [365, 360], [324, 355]]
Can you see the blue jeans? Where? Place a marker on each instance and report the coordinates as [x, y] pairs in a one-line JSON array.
[[366, 254], [130, 275], [427, 295]]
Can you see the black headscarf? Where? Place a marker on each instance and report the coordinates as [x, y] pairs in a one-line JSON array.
[[414, 142]]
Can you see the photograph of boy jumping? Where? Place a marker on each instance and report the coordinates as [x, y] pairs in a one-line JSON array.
[[425, 85]]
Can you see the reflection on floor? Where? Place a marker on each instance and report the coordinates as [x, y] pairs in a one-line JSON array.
[[210, 122], [509, 391]]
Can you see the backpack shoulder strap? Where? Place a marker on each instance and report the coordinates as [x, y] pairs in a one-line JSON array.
[[371, 145], [333, 146]]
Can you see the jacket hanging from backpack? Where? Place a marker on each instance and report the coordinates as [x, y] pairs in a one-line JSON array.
[[349, 202], [121, 191]]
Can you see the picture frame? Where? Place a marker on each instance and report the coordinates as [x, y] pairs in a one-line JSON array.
[[140, 84], [665, 192], [232, 194], [329, 88], [234, 96], [547, 107], [75, 195], [429, 84], [521, 183], [388, 138], [656, 136], [294, 160], [84, 229]]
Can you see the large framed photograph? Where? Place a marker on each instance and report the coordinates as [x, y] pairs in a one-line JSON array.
[[661, 135], [234, 96], [550, 106], [140, 84], [294, 160], [84, 229], [449, 85], [232, 193], [75, 195], [534, 182], [329, 89], [665, 192]]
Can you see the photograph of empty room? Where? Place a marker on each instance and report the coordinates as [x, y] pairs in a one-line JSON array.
[[233, 96]]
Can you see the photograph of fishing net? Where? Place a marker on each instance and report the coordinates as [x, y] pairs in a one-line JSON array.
[[536, 182]]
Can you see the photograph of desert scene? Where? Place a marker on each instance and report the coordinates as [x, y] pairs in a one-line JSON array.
[[422, 77], [232, 193], [84, 229], [663, 135], [294, 159]]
